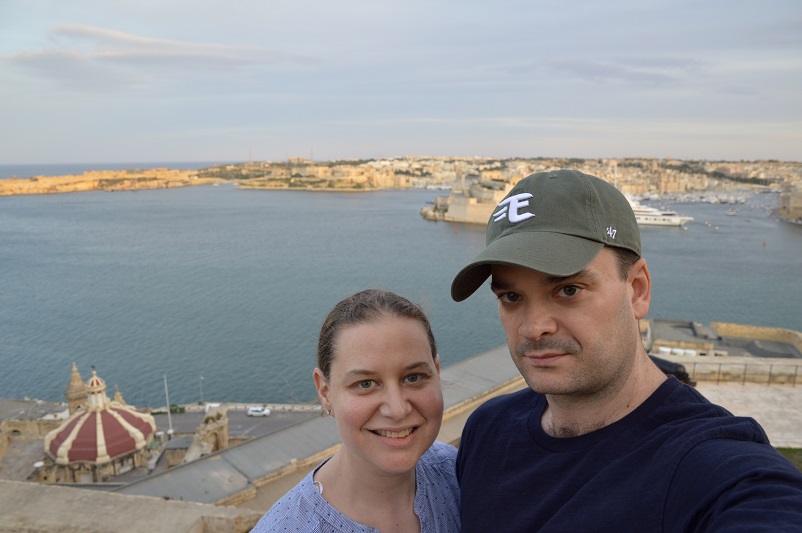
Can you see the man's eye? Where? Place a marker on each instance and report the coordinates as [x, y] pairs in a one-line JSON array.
[[414, 378], [570, 290], [508, 297], [365, 384]]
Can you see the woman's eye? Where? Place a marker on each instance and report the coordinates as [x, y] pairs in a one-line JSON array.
[[413, 378], [365, 384]]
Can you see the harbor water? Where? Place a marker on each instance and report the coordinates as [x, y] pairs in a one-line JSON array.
[[222, 291]]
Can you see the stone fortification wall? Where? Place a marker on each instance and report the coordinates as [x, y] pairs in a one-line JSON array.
[[735, 369], [42, 508], [24, 430], [708, 360], [789, 336], [293, 466], [468, 210]]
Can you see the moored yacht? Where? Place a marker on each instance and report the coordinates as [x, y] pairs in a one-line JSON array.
[[650, 216]]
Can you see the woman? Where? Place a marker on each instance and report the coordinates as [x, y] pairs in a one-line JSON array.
[[378, 375]]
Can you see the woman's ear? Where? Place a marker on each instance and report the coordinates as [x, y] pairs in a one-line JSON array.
[[437, 362], [322, 386]]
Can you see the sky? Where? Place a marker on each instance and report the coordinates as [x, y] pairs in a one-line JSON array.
[[93, 81]]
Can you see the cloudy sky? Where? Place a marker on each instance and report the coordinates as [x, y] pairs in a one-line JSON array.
[[200, 80]]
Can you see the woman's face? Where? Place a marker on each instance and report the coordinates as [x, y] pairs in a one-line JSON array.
[[384, 393]]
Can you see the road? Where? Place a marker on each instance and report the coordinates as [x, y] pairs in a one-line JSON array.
[[239, 424]]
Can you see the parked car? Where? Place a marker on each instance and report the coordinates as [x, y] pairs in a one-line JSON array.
[[258, 411], [673, 369]]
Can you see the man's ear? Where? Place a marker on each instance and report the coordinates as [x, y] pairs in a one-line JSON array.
[[640, 283], [437, 362], [322, 386]]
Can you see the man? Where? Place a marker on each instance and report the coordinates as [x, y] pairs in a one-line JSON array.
[[601, 440]]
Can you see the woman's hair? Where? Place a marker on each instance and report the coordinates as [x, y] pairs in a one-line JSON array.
[[362, 307]]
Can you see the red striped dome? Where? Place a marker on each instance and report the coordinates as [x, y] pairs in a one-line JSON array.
[[100, 432]]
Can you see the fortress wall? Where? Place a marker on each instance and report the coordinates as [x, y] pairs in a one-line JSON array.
[[725, 329]]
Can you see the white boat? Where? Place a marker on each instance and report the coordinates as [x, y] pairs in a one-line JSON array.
[[650, 216]]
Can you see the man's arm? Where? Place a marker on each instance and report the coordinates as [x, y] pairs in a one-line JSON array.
[[729, 485]]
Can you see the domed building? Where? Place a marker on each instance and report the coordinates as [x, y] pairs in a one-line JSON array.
[[101, 439]]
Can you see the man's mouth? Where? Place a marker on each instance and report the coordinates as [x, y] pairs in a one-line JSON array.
[[544, 356], [547, 349], [394, 434]]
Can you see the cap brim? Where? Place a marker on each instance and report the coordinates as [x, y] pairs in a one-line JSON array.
[[555, 254]]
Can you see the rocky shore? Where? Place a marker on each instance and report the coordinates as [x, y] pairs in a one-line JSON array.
[[107, 180]]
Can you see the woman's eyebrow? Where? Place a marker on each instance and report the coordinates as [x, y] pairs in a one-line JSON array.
[[360, 372]]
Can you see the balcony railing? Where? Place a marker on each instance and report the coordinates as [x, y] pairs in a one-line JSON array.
[[767, 373]]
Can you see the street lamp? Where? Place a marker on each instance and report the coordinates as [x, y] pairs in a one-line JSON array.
[[201, 388], [169, 408]]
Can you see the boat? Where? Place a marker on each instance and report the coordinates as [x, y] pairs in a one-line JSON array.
[[650, 216]]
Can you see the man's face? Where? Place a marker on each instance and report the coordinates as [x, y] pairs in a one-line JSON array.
[[576, 336]]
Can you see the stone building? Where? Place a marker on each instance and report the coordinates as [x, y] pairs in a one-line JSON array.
[[101, 438], [76, 391], [791, 205]]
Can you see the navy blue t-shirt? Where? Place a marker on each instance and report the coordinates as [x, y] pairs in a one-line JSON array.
[[676, 463]]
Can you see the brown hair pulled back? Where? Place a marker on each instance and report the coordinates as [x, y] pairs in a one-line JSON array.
[[362, 307]]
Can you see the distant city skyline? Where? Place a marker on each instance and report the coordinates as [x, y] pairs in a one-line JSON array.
[[141, 81]]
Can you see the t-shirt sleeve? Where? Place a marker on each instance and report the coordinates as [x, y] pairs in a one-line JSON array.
[[727, 485]]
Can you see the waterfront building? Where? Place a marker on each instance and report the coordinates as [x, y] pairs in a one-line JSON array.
[[791, 205]]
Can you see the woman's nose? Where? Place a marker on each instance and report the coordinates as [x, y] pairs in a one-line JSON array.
[[395, 404]]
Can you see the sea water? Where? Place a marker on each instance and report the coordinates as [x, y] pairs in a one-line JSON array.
[[223, 291]]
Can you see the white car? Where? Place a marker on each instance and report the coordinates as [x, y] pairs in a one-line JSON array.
[[258, 411]]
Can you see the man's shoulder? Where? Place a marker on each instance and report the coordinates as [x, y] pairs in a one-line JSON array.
[[505, 410], [683, 411], [520, 400]]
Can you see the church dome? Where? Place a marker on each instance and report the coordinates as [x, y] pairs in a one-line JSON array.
[[95, 384], [102, 432]]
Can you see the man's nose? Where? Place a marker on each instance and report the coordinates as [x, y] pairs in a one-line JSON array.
[[537, 322]]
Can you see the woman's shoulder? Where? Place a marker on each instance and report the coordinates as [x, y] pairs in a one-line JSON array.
[[301, 507], [437, 500], [438, 461], [440, 452], [291, 509]]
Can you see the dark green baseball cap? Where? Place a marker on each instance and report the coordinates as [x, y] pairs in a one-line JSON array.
[[554, 222]]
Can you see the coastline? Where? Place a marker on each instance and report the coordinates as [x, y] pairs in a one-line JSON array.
[[106, 180]]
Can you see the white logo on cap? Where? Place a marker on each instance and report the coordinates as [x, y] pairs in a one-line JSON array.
[[510, 206]]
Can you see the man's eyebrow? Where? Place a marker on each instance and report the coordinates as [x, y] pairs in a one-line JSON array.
[[582, 275], [498, 285]]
